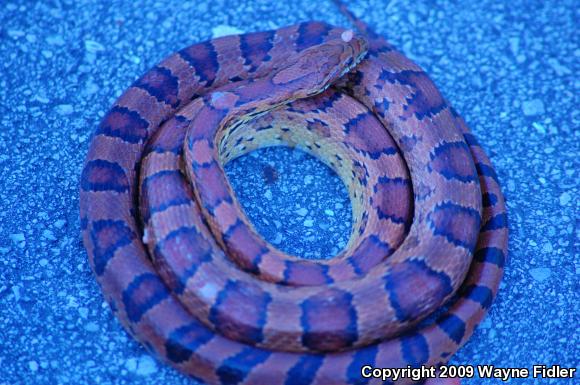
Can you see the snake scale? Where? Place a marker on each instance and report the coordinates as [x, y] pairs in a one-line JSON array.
[[187, 275]]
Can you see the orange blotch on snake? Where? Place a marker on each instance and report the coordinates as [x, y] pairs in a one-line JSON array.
[[202, 152], [227, 214], [304, 273]]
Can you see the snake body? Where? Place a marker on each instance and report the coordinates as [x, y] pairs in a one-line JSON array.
[[185, 272]]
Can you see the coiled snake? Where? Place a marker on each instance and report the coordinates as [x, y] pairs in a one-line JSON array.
[[188, 276]]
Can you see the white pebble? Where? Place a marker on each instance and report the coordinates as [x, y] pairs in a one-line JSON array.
[[18, 238], [485, 324], [558, 67], [146, 366], [91, 327], [60, 223], [278, 239], [539, 127], [64, 109], [83, 312], [15, 33], [55, 40], [565, 198], [533, 107], [225, 30], [49, 235], [131, 364], [33, 366], [514, 45], [540, 273], [302, 212], [93, 46], [547, 248]]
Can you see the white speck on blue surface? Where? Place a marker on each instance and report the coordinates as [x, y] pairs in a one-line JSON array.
[[64, 109], [540, 274], [565, 198], [224, 30], [33, 365], [533, 107], [93, 46]]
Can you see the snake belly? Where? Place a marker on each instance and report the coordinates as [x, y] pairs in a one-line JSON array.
[[188, 277]]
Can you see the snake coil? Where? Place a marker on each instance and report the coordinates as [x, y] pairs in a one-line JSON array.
[[188, 276]]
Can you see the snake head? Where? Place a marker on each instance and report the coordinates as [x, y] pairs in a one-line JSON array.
[[314, 69]]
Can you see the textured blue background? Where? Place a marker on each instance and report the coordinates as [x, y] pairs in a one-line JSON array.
[[510, 69]]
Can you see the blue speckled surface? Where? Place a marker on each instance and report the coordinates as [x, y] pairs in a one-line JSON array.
[[294, 201], [508, 67]]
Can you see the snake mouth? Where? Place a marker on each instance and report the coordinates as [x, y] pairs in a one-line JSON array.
[[341, 70], [352, 61], [355, 62]]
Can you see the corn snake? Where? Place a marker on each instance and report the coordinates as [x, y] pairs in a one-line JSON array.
[[159, 256]]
